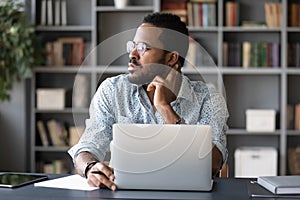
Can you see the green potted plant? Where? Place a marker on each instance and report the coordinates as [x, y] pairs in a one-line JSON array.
[[18, 46]]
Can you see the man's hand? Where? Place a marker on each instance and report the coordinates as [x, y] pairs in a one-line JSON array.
[[101, 175], [165, 90]]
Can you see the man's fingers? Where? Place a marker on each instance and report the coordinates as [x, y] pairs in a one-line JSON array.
[[103, 169], [100, 180], [101, 175]]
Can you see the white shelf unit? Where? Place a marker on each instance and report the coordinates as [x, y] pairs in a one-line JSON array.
[[258, 87]]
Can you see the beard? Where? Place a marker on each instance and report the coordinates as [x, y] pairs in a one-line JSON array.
[[144, 74]]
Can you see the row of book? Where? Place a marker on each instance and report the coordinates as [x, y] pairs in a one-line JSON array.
[[293, 116], [177, 7], [204, 13], [294, 14], [193, 12], [67, 51], [201, 14], [293, 54], [273, 13], [251, 54], [55, 133], [53, 12], [58, 166]]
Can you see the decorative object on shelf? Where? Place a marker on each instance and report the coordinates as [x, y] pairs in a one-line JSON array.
[[260, 120], [50, 98], [18, 44], [121, 3]]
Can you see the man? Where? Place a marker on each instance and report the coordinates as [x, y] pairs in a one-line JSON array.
[[154, 91]]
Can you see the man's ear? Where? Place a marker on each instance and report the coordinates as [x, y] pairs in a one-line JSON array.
[[172, 58]]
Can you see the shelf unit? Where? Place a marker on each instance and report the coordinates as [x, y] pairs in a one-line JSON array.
[[258, 87]]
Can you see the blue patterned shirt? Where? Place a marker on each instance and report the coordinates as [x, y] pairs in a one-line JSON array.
[[119, 101]]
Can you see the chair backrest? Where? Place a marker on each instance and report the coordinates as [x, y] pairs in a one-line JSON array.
[[224, 172]]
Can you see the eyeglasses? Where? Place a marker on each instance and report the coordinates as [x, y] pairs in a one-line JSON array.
[[141, 47]]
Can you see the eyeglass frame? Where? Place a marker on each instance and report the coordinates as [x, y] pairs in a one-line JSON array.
[[142, 51]]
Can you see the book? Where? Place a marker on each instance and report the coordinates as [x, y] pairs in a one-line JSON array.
[[275, 55], [289, 116], [55, 133], [280, 184], [257, 191], [42, 132], [294, 160], [43, 12], [232, 13], [63, 12], [57, 13], [246, 54], [297, 116], [225, 53], [49, 12]]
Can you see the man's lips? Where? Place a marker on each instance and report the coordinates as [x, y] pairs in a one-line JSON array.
[[132, 67]]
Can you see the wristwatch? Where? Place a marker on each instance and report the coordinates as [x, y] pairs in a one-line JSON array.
[[87, 167], [179, 121]]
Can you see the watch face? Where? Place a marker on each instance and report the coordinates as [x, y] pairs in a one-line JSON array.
[[12, 180]]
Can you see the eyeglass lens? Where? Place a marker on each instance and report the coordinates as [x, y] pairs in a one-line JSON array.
[[141, 47]]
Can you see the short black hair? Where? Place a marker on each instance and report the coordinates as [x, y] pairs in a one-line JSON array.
[[174, 23]]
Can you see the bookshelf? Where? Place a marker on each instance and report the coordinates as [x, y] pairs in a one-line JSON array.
[[90, 21], [252, 87]]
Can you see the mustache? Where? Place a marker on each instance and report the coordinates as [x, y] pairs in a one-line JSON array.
[[134, 61]]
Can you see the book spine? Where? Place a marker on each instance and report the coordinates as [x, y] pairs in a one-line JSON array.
[[275, 55], [266, 184], [205, 15], [57, 13], [49, 12], [246, 54], [43, 12], [297, 117], [42, 132], [63, 12]]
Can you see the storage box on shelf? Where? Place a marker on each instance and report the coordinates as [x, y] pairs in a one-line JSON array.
[[255, 161]]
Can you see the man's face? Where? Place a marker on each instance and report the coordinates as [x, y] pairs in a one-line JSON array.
[[145, 65]]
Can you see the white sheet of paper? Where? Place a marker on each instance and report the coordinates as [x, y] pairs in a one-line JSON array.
[[73, 182]]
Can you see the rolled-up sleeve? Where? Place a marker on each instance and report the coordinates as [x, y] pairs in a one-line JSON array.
[[98, 132]]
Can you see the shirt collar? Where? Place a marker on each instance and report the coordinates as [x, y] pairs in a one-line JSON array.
[[186, 89]]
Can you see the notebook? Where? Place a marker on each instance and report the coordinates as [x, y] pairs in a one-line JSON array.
[[162, 157], [280, 184]]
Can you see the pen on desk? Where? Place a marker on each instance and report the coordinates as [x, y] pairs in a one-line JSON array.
[[101, 173], [98, 172]]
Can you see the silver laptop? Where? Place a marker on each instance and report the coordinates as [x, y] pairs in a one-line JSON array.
[[162, 157]]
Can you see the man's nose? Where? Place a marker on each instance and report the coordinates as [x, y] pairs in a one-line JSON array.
[[134, 54]]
